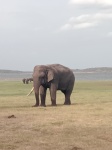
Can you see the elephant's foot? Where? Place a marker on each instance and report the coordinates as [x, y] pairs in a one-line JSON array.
[[53, 105], [43, 105], [35, 105], [67, 103]]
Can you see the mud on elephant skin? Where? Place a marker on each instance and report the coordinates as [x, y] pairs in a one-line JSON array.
[[55, 77]]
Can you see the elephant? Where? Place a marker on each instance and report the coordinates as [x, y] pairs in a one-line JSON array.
[[24, 80], [55, 77], [27, 80]]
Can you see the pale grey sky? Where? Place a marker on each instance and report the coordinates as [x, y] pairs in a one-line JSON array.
[[75, 33]]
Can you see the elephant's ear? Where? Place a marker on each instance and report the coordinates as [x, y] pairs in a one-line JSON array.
[[50, 76]]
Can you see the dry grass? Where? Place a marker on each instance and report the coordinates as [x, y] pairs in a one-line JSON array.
[[85, 125]]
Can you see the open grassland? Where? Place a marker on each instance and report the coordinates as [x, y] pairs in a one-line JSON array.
[[84, 125]]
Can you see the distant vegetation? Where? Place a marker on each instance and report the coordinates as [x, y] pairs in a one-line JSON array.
[[13, 71], [93, 70]]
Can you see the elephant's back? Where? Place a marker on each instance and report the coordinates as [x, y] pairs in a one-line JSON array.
[[60, 68], [63, 73]]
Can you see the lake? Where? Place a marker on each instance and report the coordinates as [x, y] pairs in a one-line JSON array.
[[94, 76], [78, 76]]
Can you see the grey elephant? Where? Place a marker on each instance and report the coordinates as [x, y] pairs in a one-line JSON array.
[[55, 77], [29, 79], [24, 80]]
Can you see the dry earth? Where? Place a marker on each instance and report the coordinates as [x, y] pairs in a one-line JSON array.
[[85, 125]]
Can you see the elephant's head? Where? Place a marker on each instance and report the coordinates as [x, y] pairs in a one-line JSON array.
[[42, 75]]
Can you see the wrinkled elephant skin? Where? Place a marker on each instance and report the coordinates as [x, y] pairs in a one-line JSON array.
[[55, 77]]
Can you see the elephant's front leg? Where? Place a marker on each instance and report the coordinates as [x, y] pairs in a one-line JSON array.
[[43, 95], [37, 100], [53, 90], [36, 90]]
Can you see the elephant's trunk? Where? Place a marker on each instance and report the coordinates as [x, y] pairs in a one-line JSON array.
[[36, 90]]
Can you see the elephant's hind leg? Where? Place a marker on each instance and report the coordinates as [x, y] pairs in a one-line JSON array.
[[67, 97]]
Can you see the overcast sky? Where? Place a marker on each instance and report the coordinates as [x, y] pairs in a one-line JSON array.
[[75, 33]]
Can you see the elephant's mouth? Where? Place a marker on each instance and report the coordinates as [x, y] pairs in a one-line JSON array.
[[46, 85]]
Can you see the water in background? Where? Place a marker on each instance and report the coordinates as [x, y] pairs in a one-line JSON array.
[[78, 76], [94, 76], [15, 76]]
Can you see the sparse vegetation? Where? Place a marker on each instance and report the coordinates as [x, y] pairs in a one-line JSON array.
[[85, 125]]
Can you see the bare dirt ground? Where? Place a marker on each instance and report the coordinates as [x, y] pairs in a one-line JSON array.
[[84, 125]]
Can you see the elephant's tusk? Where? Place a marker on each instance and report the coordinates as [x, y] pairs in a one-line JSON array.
[[30, 91]]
